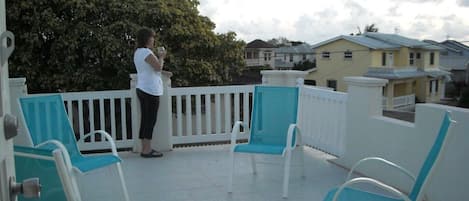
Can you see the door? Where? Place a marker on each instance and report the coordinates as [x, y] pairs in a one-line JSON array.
[[7, 169]]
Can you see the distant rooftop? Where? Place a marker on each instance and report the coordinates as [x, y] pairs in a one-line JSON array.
[[375, 40], [259, 44], [299, 49]]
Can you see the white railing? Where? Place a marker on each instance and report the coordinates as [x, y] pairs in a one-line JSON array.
[[404, 100], [213, 111], [322, 119], [400, 101], [101, 110]]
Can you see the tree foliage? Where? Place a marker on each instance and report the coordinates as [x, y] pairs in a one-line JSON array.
[[304, 65], [368, 28], [74, 45]]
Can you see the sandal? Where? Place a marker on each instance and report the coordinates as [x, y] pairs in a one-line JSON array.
[[153, 154]]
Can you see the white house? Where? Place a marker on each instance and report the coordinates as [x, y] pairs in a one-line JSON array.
[[287, 57], [259, 53]]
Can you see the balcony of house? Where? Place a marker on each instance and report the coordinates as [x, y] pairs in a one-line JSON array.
[[195, 123]]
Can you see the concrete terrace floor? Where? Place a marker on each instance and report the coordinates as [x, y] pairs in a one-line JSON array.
[[201, 174]]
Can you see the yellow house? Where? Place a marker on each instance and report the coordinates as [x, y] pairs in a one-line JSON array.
[[411, 66]]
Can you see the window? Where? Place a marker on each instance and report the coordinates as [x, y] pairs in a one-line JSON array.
[[326, 55], [310, 82], [432, 58], [291, 57], [411, 58], [417, 56], [433, 86], [284, 57], [248, 55], [267, 56], [348, 54], [304, 57], [255, 55], [383, 59], [332, 84]]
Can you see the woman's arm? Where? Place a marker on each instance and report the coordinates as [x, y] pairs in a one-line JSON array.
[[154, 62]]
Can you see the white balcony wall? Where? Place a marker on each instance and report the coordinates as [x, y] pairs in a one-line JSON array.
[[407, 144]]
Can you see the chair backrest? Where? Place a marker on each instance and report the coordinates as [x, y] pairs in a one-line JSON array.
[[275, 108], [432, 158], [46, 119]]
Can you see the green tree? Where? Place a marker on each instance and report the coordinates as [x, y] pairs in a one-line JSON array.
[[304, 65], [73, 45], [368, 28]]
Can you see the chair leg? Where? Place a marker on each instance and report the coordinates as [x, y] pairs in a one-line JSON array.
[[124, 188], [231, 172], [75, 184], [286, 173], [302, 161], [253, 164]]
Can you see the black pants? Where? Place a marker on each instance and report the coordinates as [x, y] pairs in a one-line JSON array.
[[149, 109]]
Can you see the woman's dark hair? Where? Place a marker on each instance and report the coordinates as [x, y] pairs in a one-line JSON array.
[[143, 35]]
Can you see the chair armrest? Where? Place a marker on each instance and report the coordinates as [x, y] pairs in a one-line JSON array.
[[382, 160], [374, 182], [63, 149], [292, 128], [235, 132], [107, 136]]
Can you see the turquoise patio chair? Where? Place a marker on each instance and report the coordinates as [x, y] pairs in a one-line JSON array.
[[48, 127], [273, 128], [346, 193], [50, 168]]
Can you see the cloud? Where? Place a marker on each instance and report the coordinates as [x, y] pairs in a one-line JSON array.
[[419, 1], [464, 3]]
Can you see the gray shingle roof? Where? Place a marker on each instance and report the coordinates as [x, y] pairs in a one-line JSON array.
[[401, 40], [259, 44], [381, 41], [299, 49]]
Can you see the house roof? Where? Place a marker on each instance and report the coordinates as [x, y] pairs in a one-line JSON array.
[[401, 41], [446, 47], [361, 40], [459, 45], [259, 44], [299, 49], [392, 73], [381, 41]]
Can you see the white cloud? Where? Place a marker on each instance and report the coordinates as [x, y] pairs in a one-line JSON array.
[[463, 3], [314, 21]]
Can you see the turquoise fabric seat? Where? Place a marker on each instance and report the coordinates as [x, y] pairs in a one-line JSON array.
[[260, 149], [358, 195], [49, 128], [346, 193], [43, 164], [273, 127]]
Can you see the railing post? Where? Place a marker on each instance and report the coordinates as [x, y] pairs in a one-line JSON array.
[[283, 77], [163, 129], [18, 88], [364, 96]]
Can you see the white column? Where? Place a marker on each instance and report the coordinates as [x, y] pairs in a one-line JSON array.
[[283, 77], [364, 96], [18, 88], [163, 129]]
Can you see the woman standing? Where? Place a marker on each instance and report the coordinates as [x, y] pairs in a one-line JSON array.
[[149, 87]]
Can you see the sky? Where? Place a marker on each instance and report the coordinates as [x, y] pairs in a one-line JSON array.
[[315, 21]]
